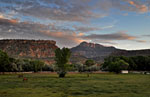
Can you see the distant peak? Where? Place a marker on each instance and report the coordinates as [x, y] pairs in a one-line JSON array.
[[84, 42], [93, 45]]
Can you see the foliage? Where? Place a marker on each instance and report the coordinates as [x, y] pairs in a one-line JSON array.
[[4, 62], [8, 64], [26, 64], [37, 65], [62, 57], [114, 64], [117, 66], [138, 63], [88, 66], [29, 65], [89, 62], [48, 68], [79, 67], [142, 63]]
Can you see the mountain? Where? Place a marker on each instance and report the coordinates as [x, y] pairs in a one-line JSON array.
[[98, 52], [44, 50], [93, 51], [33, 49]]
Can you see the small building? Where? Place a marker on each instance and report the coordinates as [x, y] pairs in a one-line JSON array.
[[124, 71]]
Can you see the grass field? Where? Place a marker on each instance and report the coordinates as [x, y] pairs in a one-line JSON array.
[[75, 85]]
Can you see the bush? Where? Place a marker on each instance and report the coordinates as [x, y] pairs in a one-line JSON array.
[[37, 65], [113, 64], [48, 68]]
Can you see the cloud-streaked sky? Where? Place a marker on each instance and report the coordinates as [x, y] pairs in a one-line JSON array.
[[124, 24]]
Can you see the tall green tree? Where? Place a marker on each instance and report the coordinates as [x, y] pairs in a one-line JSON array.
[[89, 63], [62, 57], [4, 62]]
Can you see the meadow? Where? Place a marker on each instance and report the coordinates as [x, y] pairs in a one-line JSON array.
[[75, 85]]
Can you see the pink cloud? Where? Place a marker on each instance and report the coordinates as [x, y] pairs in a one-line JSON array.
[[141, 7]]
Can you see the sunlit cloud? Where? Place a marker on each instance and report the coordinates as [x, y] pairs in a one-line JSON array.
[[1, 15], [141, 41], [113, 36], [141, 7], [63, 39]]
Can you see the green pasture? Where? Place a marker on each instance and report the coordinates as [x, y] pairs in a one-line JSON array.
[[75, 85]]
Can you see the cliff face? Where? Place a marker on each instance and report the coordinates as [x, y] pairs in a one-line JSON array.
[[34, 49]]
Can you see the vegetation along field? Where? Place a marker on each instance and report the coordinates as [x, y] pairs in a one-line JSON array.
[[75, 85]]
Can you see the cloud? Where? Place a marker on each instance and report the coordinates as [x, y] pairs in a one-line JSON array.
[[86, 29], [114, 36], [1, 15], [64, 39], [70, 10], [108, 42], [148, 35], [62, 16], [6, 21], [13, 29], [10, 28], [141, 7], [141, 41], [59, 10]]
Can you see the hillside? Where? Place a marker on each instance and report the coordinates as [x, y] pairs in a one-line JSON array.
[[128, 53]]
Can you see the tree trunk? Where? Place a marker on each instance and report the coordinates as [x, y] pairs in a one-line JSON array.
[[62, 75], [88, 75]]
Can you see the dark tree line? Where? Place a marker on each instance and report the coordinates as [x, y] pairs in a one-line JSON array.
[[8, 64], [62, 65], [118, 63]]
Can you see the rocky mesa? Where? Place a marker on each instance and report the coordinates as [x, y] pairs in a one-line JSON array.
[[34, 49]]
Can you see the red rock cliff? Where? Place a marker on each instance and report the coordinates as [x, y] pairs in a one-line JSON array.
[[34, 49]]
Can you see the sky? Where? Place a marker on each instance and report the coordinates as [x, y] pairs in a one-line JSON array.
[[124, 24]]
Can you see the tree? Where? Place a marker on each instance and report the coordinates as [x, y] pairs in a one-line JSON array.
[[37, 65], [118, 66], [114, 64], [89, 63], [62, 57], [26, 64], [4, 62], [48, 68]]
